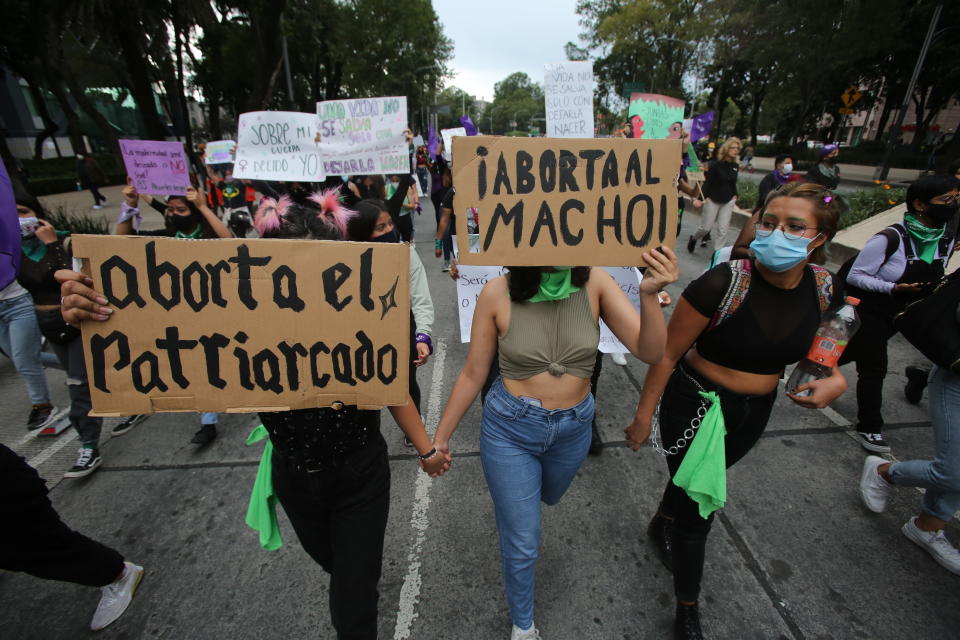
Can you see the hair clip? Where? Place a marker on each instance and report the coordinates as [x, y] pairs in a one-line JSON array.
[[827, 199]]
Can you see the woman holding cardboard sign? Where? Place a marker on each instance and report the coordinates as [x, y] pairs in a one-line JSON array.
[[186, 216], [535, 432]]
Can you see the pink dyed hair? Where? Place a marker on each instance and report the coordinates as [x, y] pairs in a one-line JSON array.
[[270, 214], [332, 210]]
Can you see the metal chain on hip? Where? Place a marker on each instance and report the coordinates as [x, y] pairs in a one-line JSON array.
[[688, 433]]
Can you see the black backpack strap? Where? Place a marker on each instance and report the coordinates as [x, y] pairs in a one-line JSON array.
[[895, 234]]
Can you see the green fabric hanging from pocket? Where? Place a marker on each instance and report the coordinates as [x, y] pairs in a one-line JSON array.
[[703, 472], [262, 511]]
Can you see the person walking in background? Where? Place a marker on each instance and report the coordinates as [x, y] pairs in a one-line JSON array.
[[720, 191], [782, 174], [91, 176], [827, 171]]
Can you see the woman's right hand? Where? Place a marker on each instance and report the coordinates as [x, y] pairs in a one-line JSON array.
[[80, 301], [436, 465], [130, 193], [909, 290], [638, 431]]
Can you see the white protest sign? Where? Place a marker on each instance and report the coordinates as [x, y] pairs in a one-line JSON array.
[[628, 279], [364, 136], [418, 141], [279, 146], [448, 135], [219, 152], [472, 278], [568, 94]]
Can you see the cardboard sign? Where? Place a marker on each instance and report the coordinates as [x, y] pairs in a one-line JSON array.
[[655, 117], [568, 94], [278, 146], [628, 279], [246, 325], [448, 135], [544, 201], [364, 136], [219, 152], [469, 284], [156, 167]]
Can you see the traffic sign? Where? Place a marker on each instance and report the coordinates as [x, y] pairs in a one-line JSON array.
[[850, 96]]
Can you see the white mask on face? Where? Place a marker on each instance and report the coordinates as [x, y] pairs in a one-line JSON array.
[[787, 169]]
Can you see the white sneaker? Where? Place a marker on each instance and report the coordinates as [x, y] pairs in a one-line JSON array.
[[96, 206], [874, 490], [116, 597], [530, 634], [619, 358], [936, 544]]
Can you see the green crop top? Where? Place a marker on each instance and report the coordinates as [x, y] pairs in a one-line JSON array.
[[559, 337]]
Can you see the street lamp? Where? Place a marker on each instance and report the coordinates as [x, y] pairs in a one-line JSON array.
[[492, 109]]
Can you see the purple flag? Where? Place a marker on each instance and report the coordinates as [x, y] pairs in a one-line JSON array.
[[9, 231], [432, 143], [468, 125], [701, 125]]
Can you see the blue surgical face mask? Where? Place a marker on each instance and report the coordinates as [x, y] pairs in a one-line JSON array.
[[779, 253]]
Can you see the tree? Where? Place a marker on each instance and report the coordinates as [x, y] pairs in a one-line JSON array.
[[515, 98], [452, 103]]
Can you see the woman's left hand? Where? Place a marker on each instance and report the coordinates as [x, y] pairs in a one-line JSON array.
[[423, 354], [663, 268], [823, 392], [46, 233]]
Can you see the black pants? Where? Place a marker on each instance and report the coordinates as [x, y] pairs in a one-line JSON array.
[[70, 356], [868, 348], [97, 196], [340, 516], [405, 227], [414, 388], [745, 418], [594, 380], [33, 538]]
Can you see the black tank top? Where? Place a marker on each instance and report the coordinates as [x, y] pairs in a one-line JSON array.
[[771, 328]]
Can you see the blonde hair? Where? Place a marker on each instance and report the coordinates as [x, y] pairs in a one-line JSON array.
[[725, 147]]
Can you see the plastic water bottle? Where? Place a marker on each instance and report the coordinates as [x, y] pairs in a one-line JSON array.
[[836, 329]]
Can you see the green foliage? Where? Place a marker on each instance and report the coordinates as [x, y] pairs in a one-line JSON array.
[[869, 202], [452, 102], [59, 175], [516, 97], [76, 223], [748, 192]]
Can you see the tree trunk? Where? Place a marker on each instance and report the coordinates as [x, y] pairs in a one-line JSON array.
[[758, 97], [181, 91], [106, 129], [266, 26], [139, 75]]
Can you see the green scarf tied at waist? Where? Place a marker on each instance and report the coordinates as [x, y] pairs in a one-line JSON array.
[[703, 472], [262, 511]]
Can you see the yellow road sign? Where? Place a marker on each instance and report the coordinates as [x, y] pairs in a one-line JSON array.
[[850, 96]]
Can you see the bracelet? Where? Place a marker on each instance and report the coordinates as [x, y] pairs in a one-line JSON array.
[[437, 243], [425, 339], [428, 455]]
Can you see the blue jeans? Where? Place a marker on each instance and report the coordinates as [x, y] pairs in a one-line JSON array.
[[208, 417], [940, 476], [528, 454], [20, 340]]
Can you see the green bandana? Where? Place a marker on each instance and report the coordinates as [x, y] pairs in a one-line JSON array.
[[262, 510], [35, 249], [193, 235], [926, 238], [555, 285], [703, 472]]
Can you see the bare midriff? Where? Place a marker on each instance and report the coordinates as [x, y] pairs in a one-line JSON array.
[[553, 392], [753, 384]]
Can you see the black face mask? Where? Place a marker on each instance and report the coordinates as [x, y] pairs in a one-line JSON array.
[[183, 224], [390, 236], [941, 213]]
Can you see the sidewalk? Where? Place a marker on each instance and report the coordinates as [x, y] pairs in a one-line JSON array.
[[860, 174], [81, 202]]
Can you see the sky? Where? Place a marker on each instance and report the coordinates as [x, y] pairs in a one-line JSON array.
[[494, 38]]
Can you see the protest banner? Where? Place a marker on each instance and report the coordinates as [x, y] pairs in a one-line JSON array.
[[568, 94], [245, 325], [655, 117], [628, 279], [448, 135], [544, 201], [278, 146], [219, 152], [364, 136], [156, 167], [418, 141], [470, 281]]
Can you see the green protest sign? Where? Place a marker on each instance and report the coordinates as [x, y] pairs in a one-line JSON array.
[[655, 117]]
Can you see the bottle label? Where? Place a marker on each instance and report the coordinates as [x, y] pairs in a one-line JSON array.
[[826, 351]]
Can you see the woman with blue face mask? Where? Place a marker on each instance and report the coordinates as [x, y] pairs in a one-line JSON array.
[[732, 333]]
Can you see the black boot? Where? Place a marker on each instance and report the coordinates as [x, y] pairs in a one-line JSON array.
[[660, 533], [206, 435], [686, 626], [916, 383], [691, 244], [705, 240], [596, 444]]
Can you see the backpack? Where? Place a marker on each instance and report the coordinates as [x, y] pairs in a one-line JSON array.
[[740, 276]]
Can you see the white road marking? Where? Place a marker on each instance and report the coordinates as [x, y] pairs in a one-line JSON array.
[[410, 591], [62, 441]]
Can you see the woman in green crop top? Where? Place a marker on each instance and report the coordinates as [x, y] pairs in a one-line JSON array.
[[535, 430]]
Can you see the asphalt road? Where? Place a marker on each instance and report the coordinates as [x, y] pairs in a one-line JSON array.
[[794, 555]]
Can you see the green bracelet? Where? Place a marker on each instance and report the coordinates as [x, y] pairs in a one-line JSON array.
[[437, 243]]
